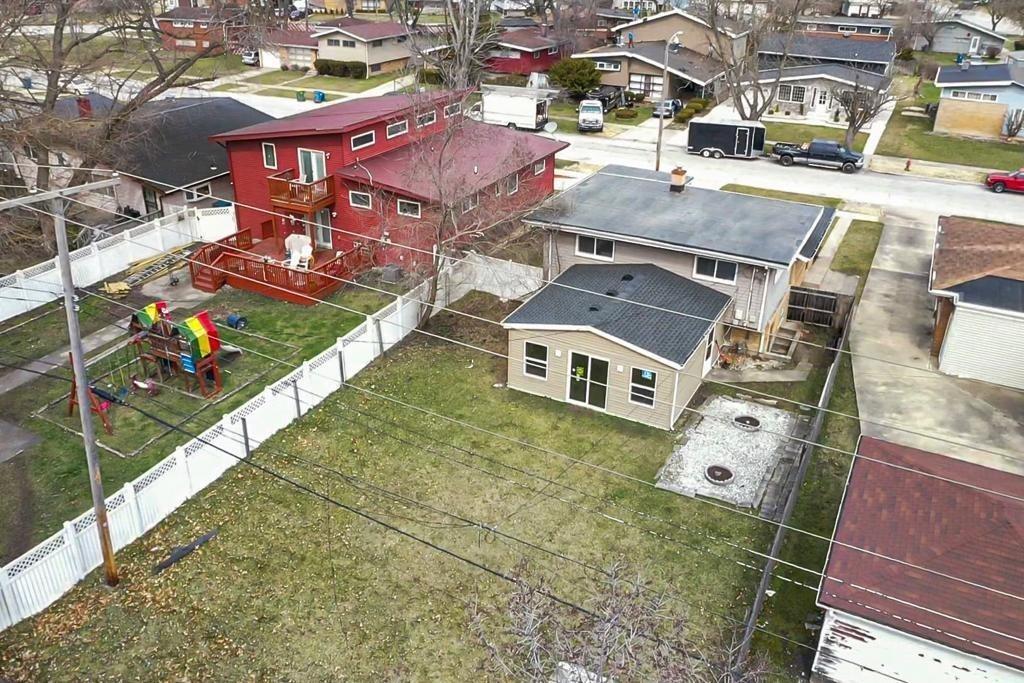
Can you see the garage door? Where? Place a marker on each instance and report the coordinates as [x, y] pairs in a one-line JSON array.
[[648, 85], [984, 345], [269, 59]]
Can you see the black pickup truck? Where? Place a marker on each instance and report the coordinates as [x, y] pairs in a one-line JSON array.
[[827, 153]]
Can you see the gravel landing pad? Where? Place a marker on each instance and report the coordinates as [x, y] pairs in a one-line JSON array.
[[715, 440]]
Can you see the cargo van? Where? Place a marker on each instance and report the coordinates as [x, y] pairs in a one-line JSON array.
[[514, 107]]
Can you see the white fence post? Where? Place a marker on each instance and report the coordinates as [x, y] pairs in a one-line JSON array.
[[7, 600], [131, 500], [71, 541], [181, 462], [341, 361]]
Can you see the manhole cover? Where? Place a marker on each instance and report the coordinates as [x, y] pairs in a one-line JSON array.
[[747, 422], [718, 474]]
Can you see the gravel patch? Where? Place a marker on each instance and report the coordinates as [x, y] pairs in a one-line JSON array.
[[715, 440]]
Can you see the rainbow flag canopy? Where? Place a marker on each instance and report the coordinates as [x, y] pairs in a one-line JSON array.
[[151, 313], [201, 334]]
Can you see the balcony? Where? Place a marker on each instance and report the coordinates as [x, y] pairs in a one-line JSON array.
[[287, 192]]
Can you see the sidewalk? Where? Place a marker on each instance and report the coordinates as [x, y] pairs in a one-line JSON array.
[[929, 169]]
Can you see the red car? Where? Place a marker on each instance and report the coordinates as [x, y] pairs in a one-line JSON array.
[[1000, 182]]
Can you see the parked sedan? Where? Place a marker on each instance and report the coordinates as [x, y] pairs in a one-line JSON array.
[[667, 108], [301, 13], [1000, 182]]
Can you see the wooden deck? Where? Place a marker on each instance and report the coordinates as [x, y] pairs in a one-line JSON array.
[[259, 267]]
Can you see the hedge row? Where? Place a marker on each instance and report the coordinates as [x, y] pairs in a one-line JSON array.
[[333, 67]]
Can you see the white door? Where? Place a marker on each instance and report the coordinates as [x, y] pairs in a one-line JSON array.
[[312, 165], [322, 229], [710, 353], [975, 43]]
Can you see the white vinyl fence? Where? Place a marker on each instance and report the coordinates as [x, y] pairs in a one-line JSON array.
[[32, 287], [35, 580]]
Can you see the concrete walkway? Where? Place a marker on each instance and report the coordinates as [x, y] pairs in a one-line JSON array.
[[821, 275]]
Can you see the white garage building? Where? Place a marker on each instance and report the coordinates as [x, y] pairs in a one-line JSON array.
[[977, 277]]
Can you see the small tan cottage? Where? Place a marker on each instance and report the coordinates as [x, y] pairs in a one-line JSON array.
[[632, 340]]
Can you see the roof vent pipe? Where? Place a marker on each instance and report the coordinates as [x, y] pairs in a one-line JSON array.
[[678, 182]]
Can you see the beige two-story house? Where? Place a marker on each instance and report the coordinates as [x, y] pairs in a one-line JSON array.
[[382, 45]]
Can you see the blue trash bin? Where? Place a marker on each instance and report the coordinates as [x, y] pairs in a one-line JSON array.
[[319, 96]]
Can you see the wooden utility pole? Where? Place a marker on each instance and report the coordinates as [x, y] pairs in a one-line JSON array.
[[56, 205]]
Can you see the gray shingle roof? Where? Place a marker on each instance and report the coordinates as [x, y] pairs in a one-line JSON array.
[[841, 20], [662, 333], [693, 65], [810, 46], [993, 292], [818, 234], [867, 79], [637, 204], [994, 74]]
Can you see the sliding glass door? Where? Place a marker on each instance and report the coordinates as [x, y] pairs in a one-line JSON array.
[[588, 380]]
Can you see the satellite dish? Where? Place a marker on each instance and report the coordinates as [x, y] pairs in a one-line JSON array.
[[550, 127]]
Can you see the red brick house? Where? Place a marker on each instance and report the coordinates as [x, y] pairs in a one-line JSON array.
[[194, 29], [525, 50], [383, 167]]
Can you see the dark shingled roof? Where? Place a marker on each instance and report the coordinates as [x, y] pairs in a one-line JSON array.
[[992, 292], [174, 148], [988, 74], [982, 261], [818, 234], [692, 65], [635, 203], [867, 79], [664, 334], [811, 46], [884, 22], [951, 529]]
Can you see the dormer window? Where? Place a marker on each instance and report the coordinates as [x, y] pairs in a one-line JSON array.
[[363, 140]]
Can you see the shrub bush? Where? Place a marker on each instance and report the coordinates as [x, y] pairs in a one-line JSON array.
[[1018, 45], [992, 52], [284, 67], [634, 97], [905, 55], [625, 113], [333, 67], [704, 102], [695, 105], [683, 116], [575, 75]]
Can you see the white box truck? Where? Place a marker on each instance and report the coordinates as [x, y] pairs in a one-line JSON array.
[[506, 105]]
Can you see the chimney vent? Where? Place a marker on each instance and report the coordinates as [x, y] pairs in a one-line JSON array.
[[679, 179], [84, 107]]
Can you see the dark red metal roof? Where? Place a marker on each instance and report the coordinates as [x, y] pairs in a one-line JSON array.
[[952, 530], [336, 118], [477, 156]]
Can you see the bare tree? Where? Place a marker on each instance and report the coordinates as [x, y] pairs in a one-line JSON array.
[[1014, 122], [921, 22], [737, 48], [998, 10], [626, 631], [860, 105], [457, 48]]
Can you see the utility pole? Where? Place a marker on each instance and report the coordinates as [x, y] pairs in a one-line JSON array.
[[54, 198]]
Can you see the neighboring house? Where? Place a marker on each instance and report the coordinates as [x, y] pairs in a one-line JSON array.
[[194, 29], [814, 90], [291, 47], [975, 99], [749, 248], [636, 61], [632, 340], [923, 572], [524, 50], [866, 8], [977, 277], [957, 35], [383, 46], [807, 48], [512, 8], [858, 28], [363, 167], [641, 7]]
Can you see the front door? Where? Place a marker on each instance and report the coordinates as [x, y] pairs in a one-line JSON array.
[[322, 229], [742, 142], [588, 380], [150, 200], [975, 44], [312, 165]]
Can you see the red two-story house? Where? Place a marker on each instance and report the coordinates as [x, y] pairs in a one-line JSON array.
[[194, 29], [522, 51], [377, 179]]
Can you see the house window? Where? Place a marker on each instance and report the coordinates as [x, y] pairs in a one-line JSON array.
[[363, 140], [198, 193], [348, 43], [398, 128], [452, 109], [595, 247], [269, 155], [360, 200], [608, 66], [539, 167], [536, 55], [182, 24], [31, 153], [333, 42], [535, 360], [847, 29], [812, 27], [714, 269], [512, 184], [376, 43], [553, 50], [641, 386], [791, 93], [407, 208], [374, 68], [426, 119], [470, 202], [876, 31]]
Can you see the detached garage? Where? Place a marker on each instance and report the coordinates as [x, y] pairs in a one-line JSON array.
[[977, 277]]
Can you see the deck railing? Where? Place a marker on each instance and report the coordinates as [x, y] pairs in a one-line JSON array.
[[287, 190], [208, 254]]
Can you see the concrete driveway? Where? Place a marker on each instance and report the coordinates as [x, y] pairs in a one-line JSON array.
[[894, 322]]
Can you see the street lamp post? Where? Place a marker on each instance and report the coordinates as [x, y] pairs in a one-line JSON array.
[[670, 45]]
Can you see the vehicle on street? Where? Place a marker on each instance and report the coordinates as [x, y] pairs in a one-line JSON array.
[[590, 117], [300, 13], [824, 153], [251, 57], [1012, 181], [717, 139], [513, 107], [609, 96], [667, 108]]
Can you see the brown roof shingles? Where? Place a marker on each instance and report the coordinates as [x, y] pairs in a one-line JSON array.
[[969, 542], [968, 249]]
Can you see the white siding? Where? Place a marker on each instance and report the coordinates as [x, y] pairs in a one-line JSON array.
[[854, 650], [984, 345]]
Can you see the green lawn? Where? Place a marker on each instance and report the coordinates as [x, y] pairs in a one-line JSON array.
[[797, 132], [275, 77], [294, 589], [566, 111], [857, 250], [47, 484], [290, 94], [912, 138], [230, 87], [342, 84], [779, 194], [214, 67]]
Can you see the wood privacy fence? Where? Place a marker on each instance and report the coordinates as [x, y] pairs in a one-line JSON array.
[[35, 580]]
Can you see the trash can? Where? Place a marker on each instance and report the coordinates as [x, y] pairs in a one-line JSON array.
[[300, 95], [319, 96], [237, 322]]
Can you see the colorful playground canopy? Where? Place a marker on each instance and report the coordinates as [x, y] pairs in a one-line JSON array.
[[148, 316], [201, 334]]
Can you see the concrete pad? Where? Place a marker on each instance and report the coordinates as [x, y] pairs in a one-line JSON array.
[[182, 295], [905, 248], [14, 440]]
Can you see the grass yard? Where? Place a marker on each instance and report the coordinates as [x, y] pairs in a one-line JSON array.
[[912, 138], [566, 111], [290, 94], [857, 250], [797, 132], [48, 484], [293, 589], [342, 84], [779, 194], [275, 77], [230, 87]]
